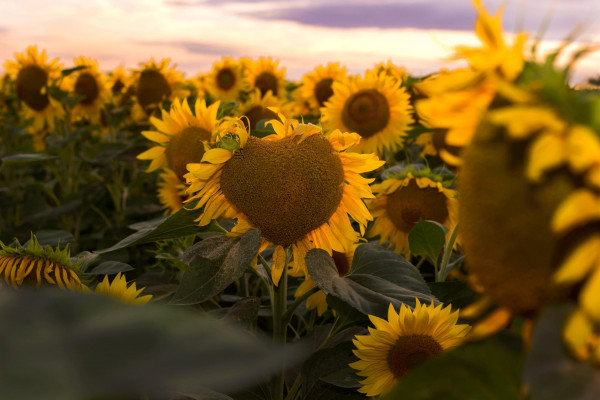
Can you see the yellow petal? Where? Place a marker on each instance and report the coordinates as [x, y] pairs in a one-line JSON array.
[[156, 136], [152, 153], [579, 207], [590, 295], [278, 264], [216, 156], [579, 262], [578, 335], [546, 152]]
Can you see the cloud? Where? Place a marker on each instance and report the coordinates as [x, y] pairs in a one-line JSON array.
[[197, 47]]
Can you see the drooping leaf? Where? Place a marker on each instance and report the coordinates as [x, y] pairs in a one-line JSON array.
[[374, 281], [427, 238], [24, 158], [222, 261], [109, 268], [71, 346]]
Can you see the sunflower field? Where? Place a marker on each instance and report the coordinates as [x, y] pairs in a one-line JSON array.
[[237, 235]]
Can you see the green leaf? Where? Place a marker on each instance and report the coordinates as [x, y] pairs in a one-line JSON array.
[[549, 372], [110, 268], [427, 238], [345, 378], [226, 109], [53, 238], [456, 293], [378, 277], [488, 370], [71, 345], [221, 260], [244, 312], [69, 71], [24, 158], [180, 224]]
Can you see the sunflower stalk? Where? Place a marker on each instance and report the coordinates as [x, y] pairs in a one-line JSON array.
[[279, 305], [441, 275]]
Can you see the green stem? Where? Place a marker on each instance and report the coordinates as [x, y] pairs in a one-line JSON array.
[[294, 389], [292, 308], [421, 261], [447, 251], [279, 305]]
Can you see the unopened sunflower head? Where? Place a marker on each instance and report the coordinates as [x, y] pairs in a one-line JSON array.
[[402, 342], [36, 265], [120, 290], [297, 186]]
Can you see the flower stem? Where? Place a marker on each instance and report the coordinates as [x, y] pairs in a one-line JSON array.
[[446, 257], [279, 305]]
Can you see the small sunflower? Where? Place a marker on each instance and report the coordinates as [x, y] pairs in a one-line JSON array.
[[406, 340], [257, 108], [33, 73], [119, 290], [375, 107], [90, 84], [36, 265], [296, 185], [318, 300], [403, 199], [182, 136], [155, 83], [171, 192], [316, 85], [225, 81], [264, 75], [118, 81], [389, 69]]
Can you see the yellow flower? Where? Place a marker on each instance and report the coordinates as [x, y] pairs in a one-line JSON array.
[[37, 265], [119, 290], [33, 73], [90, 84], [388, 68], [256, 108], [401, 202], [316, 85], [375, 107], [297, 186], [118, 81], [155, 83], [264, 75], [182, 136], [407, 339], [171, 192], [225, 81]]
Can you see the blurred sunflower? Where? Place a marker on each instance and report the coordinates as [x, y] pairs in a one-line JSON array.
[[297, 186], [33, 73], [155, 83], [318, 300], [375, 107], [434, 144], [403, 342], [403, 199], [90, 85], [316, 85], [182, 136], [391, 70], [36, 265], [171, 192], [118, 289], [225, 81], [256, 108], [118, 81], [264, 74]]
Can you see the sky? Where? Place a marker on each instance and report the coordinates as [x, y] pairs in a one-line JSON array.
[[301, 34]]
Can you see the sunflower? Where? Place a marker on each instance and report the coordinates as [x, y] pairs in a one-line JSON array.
[[37, 265], [375, 107], [456, 100], [406, 340], [403, 199], [171, 192], [118, 81], [225, 81], [90, 85], [155, 83], [391, 70], [318, 300], [257, 108], [33, 73], [264, 75], [182, 136], [119, 290], [316, 85], [296, 186]]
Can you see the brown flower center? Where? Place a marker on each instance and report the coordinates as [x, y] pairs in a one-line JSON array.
[[411, 351], [285, 188], [30, 82], [256, 114], [323, 91], [410, 203], [87, 87], [225, 79], [152, 88], [266, 81], [366, 112], [117, 87], [186, 147]]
